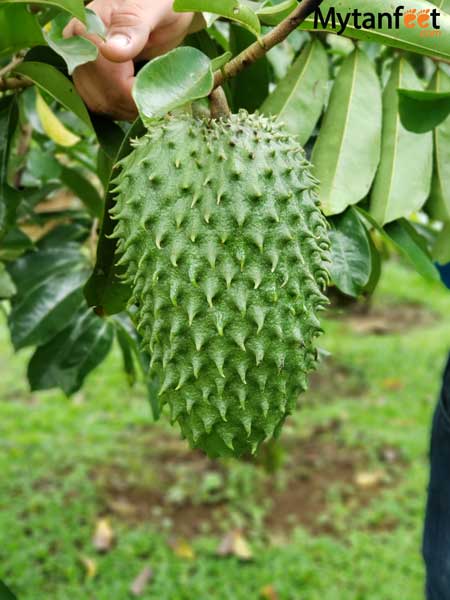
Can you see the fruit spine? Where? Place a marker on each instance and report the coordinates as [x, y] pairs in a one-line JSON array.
[[219, 228]]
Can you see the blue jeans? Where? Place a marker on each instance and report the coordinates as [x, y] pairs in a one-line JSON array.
[[436, 541]]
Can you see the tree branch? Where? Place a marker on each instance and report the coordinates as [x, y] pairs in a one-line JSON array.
[[14, 83], [11, 65], [258, 49]]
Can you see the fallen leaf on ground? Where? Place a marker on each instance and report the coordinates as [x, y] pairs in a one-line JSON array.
[[103, 539], [368, 479], [121, 507], [393, 384], [235, 544], [183, 549], [90, 566], [142, 580], [268, 593]]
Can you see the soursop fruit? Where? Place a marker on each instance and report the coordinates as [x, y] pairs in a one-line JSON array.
[[219, 228]]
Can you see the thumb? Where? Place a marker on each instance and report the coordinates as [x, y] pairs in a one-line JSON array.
[[128, 33]]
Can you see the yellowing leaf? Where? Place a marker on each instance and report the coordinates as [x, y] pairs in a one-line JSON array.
[[52, 126], [235, 544], [370, 479], [184, 550], [90, 566], [268, 592], [140, 583], [104, 536]]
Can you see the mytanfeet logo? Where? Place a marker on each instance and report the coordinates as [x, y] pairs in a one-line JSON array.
[[426, 21]]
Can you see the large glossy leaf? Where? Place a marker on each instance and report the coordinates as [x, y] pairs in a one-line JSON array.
[[14, 38], [172, 80], [250, 87], [74, 7], [6, 593], [422, 111], [351, 261], [7, 287], [130, 344], [9, 198], [299, 97], [66, 359], [439, 201], [409, 243], [105, 289], [49, 291], [230, 9], [441, 247], [75, 50], [84, 189], [347, 151], [403, 179], [54, 83]]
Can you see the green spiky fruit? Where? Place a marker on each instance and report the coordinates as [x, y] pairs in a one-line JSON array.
[[219, 228]]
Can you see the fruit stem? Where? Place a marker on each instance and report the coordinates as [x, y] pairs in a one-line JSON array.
[[218, 104], [259, 48]]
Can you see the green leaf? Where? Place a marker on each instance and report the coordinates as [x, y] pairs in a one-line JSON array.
[[172, 80], [127, 356], [105, 290], [403, 179], [72, 354], [347, 151], [74, 7], [220, 61], [7, 287], [75, 50], [404, 38], [9, 198], [84, 189], [14, 38], [272, 15], [13, 244], [49, 291], [250, 87], [230, 9], [350, 253], [422, 111], [441, 248], [129, 338], [299, 97], [375, 266], [407, 241], [54, 83], [439, 201], [6, 593]]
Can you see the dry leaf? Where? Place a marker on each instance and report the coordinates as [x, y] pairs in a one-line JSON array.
[[393, 384], [368, 479], [235, 544], [104, 536], [183, 549], [268, 593], [90, 566], [140, 583]]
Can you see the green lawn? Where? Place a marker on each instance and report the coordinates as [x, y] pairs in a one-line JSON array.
[[340, 520]]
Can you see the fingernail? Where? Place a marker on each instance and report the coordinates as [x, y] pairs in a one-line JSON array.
[[119, 39]]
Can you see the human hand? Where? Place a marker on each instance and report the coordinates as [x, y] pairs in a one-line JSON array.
[[136, 30]]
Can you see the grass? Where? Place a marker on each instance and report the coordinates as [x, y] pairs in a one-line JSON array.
[[64, 461]]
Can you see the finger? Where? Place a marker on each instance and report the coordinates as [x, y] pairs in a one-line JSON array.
[[128, 32], [106, 87], [74, 27], [166, 38]]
